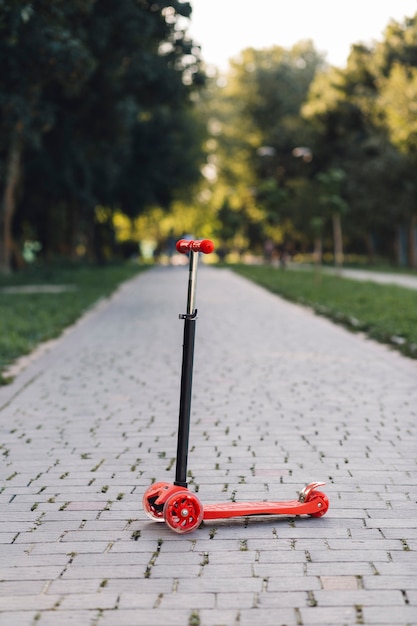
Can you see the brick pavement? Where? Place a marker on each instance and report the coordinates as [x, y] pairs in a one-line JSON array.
[[281, 398]]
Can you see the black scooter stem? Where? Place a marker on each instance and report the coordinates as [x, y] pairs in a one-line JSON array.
[[185, 401], [193, 248]]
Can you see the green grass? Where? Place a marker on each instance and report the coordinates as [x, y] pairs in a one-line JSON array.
[[27, 319], [386, 313]]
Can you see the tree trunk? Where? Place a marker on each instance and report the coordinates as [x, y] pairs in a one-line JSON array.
[[337, 240], [318, 250], [8, 205], [412, 243], [401, 246], [71, 236], [370, 247]]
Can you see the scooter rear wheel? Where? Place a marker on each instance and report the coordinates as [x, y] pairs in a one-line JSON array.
[[318, 495], [183, 512], [154, 511]]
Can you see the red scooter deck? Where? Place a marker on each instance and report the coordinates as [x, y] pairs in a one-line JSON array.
[[244, 509]]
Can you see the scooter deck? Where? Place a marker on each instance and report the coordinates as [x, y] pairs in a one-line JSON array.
[[310, 502], [245, 509]]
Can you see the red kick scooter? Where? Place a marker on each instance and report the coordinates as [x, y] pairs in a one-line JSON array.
[[173, 503]]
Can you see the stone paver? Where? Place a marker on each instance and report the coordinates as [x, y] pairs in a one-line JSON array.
[[280, 398]]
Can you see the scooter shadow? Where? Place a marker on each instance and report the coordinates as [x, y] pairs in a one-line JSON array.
[[213, 526]]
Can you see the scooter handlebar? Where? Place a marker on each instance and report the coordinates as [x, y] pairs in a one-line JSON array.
[[202, 245]]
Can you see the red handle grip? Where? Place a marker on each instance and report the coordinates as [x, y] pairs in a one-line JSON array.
[[202, 245]]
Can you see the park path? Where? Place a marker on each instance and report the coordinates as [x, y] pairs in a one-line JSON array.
[[383, 278], [281, 398], [402, 280]]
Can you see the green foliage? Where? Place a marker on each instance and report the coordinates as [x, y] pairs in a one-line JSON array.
[[276, 105], [398, 90], [356, 191], [331, 182], [39, 48], [256, 121], [26, 319], [385, 312], [398, 46], [102, 94], [101, 103], [364, 123]]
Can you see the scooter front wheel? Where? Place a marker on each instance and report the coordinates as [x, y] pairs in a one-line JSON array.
[[183, 512], [322, 500], [154, 511]]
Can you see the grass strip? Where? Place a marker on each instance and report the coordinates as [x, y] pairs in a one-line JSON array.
[[387, 313], [27, 319]]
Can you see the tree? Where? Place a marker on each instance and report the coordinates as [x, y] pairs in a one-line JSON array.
[[331, 198], [40, 45], [131, 99], [351, 133], [396, 64], [398, 92], [259, 108]]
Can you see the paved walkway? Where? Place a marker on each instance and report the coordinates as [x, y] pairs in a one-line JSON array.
[[384, 278], [402, 280], [281, 398]]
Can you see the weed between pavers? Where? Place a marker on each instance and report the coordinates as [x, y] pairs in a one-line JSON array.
[[311, 600], [39, 521], [170, 464], [204, 562], [359, 614], [194, 619], [158, 601], [405, 596], [153, 558], [96, 467], [405, 545], [243, 545], [134, 466]]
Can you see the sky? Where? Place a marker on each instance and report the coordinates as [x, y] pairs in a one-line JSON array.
[[225, 27]]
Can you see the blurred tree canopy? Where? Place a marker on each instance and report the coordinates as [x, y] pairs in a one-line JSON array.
[[96, 109], [106, 109], [256, 123], [285, 122]]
